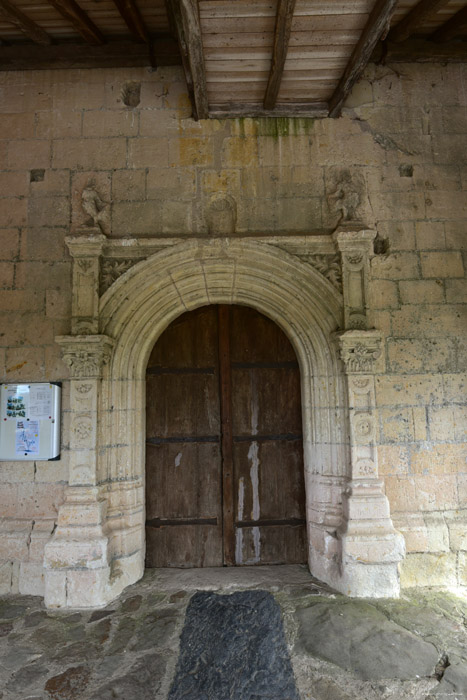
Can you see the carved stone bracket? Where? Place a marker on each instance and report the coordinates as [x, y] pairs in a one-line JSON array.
[[355, 248], [85, 355]]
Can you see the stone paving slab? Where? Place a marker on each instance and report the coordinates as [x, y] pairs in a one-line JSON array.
[[340, 649]]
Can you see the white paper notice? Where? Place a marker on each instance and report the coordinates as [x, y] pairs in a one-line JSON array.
[[40, 401], [27, 437]]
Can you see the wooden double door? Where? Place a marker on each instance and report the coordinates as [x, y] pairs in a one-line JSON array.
[[224, 454]]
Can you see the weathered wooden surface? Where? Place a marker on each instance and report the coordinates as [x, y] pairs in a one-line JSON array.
[[72, 12], [27, 26], [415, 18], [225, 481], [376, 25], [285, 10]]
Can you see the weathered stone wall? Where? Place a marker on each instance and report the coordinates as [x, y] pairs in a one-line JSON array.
[[395, 160]]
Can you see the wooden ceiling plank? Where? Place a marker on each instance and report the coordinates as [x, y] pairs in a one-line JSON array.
[[452, 28], [377, 23], [414, 19], [32, 30], [284, 16], [71, 11], [186, 19], [133, 20]]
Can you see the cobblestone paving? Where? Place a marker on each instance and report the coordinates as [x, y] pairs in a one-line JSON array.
[[341, 649]]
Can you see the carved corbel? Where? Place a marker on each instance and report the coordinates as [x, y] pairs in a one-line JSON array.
[[356, 248], [86, 249]]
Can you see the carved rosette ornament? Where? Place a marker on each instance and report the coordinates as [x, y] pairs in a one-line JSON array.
[[85, 355]]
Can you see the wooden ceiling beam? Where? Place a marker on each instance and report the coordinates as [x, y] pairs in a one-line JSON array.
[[315, 110], [284, 17], [113, 54], [32, 30], [71, 11], [452, 28], [185, 16], [377, 24], [414, 19], [132, 17]]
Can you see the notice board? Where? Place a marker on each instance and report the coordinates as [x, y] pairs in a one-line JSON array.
[[30, 421]]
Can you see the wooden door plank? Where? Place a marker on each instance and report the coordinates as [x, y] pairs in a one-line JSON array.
[[225, 386]]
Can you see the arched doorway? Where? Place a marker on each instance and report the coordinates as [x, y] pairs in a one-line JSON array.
[[224, 451]]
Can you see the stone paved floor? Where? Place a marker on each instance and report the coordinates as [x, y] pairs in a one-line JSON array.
[[340, 649]]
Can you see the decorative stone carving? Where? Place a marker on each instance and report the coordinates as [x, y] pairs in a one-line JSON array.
[[85, 250], [83, 388], [112, 268], [221, 215], [328, 265], [360, 351], [356, 248], [82, 427], [346, 195], [95, 207], [85, 355]]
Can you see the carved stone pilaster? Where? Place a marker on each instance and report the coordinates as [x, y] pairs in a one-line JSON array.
[[371, 547], [355, 248], [85, 249], [77, 557]]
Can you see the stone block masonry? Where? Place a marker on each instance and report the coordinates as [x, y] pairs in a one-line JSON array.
[[392, 162]]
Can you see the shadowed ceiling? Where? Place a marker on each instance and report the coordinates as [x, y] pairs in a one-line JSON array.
[[240, 57]]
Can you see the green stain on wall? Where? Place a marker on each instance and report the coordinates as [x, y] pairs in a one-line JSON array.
[[275, 127]]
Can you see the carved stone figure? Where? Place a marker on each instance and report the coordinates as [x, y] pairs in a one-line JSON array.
[[95, 207], [346, 197]]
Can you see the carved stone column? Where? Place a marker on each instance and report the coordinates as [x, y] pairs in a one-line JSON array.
[[85, 248], [371, 547], [77, 557], [355, 248]]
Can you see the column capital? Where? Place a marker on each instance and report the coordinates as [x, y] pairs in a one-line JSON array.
[[85, 355], [86, 243], [354, 240], [361, 351]]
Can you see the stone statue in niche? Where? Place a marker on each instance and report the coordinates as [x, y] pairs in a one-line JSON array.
[[221, 215], [97, 210], [346, 196]]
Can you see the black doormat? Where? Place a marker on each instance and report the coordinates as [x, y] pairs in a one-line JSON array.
[[233, 647]]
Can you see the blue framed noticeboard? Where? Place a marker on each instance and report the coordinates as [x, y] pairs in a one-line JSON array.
[[30, 421]]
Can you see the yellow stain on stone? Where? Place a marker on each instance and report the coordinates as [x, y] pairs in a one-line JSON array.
[[238, 151], [220, 181], [195, 151]]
